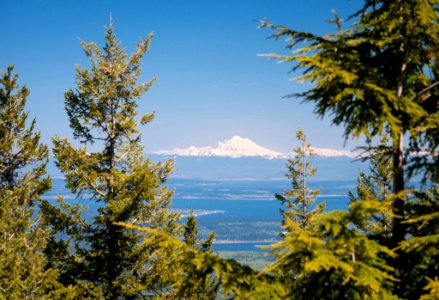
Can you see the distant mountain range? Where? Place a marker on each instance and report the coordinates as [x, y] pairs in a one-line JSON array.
[[240, 158], [237, 147]]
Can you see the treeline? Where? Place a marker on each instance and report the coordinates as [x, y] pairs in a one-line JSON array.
[[378, 78]]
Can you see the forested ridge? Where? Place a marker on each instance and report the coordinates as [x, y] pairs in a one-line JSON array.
[[378, 79]]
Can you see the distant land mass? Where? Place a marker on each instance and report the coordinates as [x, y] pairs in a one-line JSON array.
[[242, 159], [215, 167]]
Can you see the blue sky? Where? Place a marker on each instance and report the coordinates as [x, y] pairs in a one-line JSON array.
[[211, 83]]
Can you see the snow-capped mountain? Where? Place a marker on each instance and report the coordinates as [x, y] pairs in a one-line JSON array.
[[327, 152], [234, 147], [243, 147]]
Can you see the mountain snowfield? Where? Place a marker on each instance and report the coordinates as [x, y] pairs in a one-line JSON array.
[[243, 147]]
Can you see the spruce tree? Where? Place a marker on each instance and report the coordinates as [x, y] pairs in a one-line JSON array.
[[380, 75], [24, 273], [102, 110]]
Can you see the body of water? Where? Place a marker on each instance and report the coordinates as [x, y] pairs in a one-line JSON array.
[[244, 214]]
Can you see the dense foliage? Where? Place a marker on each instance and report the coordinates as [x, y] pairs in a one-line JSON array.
[[24, 271], [379, 78], [127, 186]]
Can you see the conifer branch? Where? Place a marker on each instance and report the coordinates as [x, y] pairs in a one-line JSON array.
[[430, 87]]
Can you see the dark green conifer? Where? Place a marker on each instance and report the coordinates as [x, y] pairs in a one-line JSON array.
[[380, 75], [128, 188], [24, 273], [191, 231], [208, 287], [191, 235]]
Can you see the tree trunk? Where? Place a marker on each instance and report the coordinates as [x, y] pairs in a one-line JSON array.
[[398, 230]]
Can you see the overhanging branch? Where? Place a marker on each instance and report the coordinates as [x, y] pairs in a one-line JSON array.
[[430, 87]]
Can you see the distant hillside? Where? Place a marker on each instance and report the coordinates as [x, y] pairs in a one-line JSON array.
[[214, 167]]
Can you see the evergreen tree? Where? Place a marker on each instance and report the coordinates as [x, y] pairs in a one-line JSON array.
[[333, 260], [20, 145], [377, 186], [205, 275], [300, 199], [420, 253], [209, 288], [379, 76], [23, 159], [191, 231], [322, 255], [191, 235], [127, 186]]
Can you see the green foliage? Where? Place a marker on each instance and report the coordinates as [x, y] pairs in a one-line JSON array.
[[380, 75], [205, 275], [333, 260], [357, 72], [208, 288], [103, 109], [323, 255], [191, 231], [300, 198], [417, 257], [23, 159], [377, 186], [191, 235], [433, 287], [420, 254]]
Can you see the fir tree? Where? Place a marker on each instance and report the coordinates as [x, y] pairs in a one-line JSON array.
[[127, 186], [378, 76], [300, 199], [23, 158]]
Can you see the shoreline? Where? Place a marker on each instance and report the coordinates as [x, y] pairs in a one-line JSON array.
[[222, 242]]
